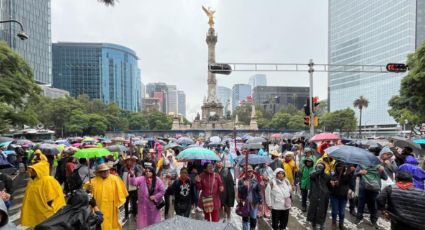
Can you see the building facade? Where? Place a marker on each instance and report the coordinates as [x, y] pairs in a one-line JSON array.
[[35, 16], [48, 91], [224, 95], [258, 80], [371, 33], [100, 70], [274, 98], [239, 93], [172, 99], [181, 103]]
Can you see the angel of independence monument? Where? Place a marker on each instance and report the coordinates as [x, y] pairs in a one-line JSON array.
[[212, 117]]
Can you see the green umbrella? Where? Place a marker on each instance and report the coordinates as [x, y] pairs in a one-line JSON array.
[[198, 153], [91, 153]]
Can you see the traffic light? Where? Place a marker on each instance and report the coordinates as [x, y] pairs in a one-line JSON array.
[[316, 121], [307, 120], [315, 103], [307, 108], [396, 67], [220, 68]]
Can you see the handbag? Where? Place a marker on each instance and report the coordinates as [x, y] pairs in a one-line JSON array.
[[208, 202], [160, 204], [242, 209]]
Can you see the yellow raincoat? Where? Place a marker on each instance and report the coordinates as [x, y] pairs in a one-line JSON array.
[[290, 169], [110, 194], [328, 166], [40, 190]]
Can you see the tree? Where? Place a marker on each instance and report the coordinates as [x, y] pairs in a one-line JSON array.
[[343, 120], [296, 121], [280, 120], [360, 103], [410, 104], [244, 113]]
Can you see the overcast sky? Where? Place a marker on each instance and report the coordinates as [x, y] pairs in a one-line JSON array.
[[169, 37]]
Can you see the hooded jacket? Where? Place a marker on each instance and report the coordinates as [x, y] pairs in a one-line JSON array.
[[305, 173], [390, 169], [277, 192], [43, 195], [4, 224], [328, 165], [418, 174]]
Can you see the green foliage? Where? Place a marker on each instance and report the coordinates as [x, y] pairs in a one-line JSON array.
[[244, 113], [410, 105], [343, 120]]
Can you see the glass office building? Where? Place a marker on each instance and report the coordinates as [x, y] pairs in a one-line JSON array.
[[35, 17], [239, 93], [181, 103], [275, 98], [378, 32], [101, 70]]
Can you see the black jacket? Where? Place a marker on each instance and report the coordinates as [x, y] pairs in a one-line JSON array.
[[227, 197], [319, 197], [344, 181], [184, 194], [404, 205]]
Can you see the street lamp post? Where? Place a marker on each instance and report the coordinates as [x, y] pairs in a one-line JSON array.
[[22, 35]]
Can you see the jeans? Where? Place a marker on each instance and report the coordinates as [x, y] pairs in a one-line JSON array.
[[250, 222], [131, 200], [304, 197], [367, 197], [279, 219], [338, 208]]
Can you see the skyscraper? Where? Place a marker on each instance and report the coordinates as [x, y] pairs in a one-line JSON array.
[[35, 16], [224, 95], [366, 32], [239, 93], [274, 98], [101, 70], [172, 99], [258, 80], [181, 103]]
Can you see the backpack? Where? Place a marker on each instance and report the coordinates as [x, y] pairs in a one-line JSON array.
[[74, 180], [60, 174]]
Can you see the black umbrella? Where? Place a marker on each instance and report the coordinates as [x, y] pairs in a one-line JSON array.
[[352, 155], [402, 142], [48, 149]]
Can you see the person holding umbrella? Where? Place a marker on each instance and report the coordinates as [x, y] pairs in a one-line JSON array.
[[390, 167]]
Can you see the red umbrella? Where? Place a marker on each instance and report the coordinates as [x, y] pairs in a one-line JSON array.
[[325, 137], [276, 136]]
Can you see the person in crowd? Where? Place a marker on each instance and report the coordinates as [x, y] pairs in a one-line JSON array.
[[110, 193], [418, 174], [403, 203], [151, 194], [266, 174], [80, 213], [84, 171], [319, 196], [390, 166], [167, 171], [369, 188], [210, 185], [43, 195], [5, 224], [308, 153], [328, 162], [149, 161], [340, 184], [307, 167], [183, 190], [400, 158], [6, 189], [227, 197], [158, 148], [290, 168], [277, 162], [249, 191], [278, 198], [228, 161], [324, 145], [130, 165]]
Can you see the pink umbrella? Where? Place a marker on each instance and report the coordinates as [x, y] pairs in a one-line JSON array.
[[76, 145], [325, 137], [276, 136]]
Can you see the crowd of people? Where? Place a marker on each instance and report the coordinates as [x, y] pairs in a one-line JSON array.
[[151, 184]]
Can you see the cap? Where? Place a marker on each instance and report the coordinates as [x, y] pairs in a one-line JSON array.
[[102, 167]]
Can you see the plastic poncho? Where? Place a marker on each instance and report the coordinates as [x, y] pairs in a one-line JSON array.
[[110, 194], [290, 170], [41, 190], [328, 166]]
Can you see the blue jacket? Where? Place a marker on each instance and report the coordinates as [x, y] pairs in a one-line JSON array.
[[254, 189], [418, 174]]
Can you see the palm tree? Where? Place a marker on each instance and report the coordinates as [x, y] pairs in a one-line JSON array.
[[108, 2], [360, 103]]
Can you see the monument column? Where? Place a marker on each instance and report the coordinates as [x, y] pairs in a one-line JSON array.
[[212, 81]]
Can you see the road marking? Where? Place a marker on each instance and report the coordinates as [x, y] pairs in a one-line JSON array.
[[15, 216], [16, 206]]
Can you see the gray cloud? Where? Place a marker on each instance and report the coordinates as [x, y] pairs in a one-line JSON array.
[[169, 37]]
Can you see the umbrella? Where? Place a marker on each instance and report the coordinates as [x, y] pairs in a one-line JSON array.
[[215, 139], [252, 146], [49, 142], [191, 146], [287, 136], [325, 137], [91, 153], [5, 139], [246, 137], [47, 149], [117, 148], [183, 223], [419, 141], [352, 155], [161, 142], [185, 141], [276, 136], [198, 153], [253, 159], [63, 142], [172, 145], [256, 140], [301, 134], [76, 145], [88, 139], [214, 144], [22, 142], [118, 139], [402, 142], [5, 144]]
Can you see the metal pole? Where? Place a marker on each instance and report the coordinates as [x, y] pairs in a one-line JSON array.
[[310, 71]]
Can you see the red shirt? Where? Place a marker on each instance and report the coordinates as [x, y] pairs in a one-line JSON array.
[[70, 166]]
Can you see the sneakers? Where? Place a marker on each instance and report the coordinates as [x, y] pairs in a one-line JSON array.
[[353, 212]]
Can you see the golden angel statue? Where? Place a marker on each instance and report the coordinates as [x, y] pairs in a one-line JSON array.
[[210, 13]]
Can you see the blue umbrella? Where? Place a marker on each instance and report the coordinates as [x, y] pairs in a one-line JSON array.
[[63, 142], [419, 141], [198, 153], [185, 141], [353, 155], [253, 159]]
